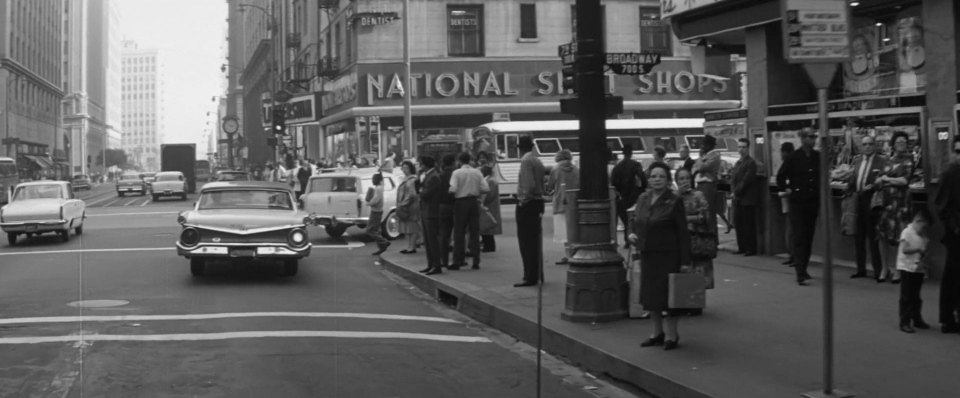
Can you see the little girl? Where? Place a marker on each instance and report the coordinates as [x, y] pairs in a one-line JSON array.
[[910, 257]]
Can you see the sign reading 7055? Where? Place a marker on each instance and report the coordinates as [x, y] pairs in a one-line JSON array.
[[631, 63]]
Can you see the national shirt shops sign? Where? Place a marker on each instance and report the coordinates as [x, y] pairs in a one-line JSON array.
[[530, 81]]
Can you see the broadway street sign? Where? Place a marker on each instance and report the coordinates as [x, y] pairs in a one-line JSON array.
[[631, 63]]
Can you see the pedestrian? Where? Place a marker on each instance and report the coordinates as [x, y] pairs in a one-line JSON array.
[[408, 206], [785, 150], [430, 193], [706, 172], [303, 176], [911, 260], [291, 177], [703, 236], [947, 205], [802, 170], [490, 219], [629, 181], [466, 185], [271, 174], [659, 155], [374, 199], [446, 209], [688, 162], [866, 169], [563, 176], [529, 211], [659, 232], [894, 191], [746, 197]]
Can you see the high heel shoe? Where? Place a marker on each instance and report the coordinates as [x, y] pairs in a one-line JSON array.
[[671, 344], [652, 341]]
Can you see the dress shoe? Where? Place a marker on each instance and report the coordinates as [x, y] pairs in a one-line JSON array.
[[435, 271], [949, 328], [858, 275], [748, 254], [454, 267], [920, 324], [407, 251], [524, 284], [653, 341], [895, 281], [475, 266], [789, 261], [382, 249], [739, 252], [425, 270], [671, 344], [905, 327]]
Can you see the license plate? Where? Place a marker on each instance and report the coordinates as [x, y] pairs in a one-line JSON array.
[[241, 253], [31, 227], [168, 192]]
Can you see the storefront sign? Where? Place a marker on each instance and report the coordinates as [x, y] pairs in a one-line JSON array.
[[342, 91], [670, 8], [366, 19], [302, 109], [816, 31], [849, 105]]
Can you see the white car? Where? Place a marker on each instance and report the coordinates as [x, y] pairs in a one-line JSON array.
[[169, 183], [42, 206], [335, 201]]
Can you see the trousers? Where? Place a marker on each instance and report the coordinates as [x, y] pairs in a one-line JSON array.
[[466, 219], [373, 228], [803, 220], [866, 236], [950, 283], [745, 220], [445, 233], [910, 302], [431, 239], [530, 236]]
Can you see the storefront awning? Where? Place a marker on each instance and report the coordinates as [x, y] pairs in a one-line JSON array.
[[43, 162]]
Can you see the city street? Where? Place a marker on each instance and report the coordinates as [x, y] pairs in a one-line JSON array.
[[145, 327]]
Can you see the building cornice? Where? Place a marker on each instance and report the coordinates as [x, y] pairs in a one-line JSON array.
[[9, 63]]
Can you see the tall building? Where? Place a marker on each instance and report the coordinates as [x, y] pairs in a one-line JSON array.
[[114, 76], [31, 87], [90, 27], [143, 106]]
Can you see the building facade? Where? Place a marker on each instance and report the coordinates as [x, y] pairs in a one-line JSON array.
[[341, 69], [143, 106], [32, 87], [902, 76]]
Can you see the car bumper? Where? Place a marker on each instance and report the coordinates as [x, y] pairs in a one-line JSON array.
[[130, 189], [243, 250], [324, 221], [169, 192], [34, 226]]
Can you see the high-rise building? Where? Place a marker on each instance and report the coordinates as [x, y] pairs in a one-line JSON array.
[[89, 27], [142, 78], [31, 86], [114, 77]]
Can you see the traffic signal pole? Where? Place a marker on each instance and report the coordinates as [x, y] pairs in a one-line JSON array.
[[597, 289]]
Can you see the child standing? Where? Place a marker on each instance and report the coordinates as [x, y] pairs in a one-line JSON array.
[[910, 263]]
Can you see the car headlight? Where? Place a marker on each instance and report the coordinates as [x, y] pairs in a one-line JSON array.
[[297, 237], [308, 220], [189, 236], [181, 219]]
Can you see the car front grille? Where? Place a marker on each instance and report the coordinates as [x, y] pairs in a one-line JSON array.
[[209, 236]]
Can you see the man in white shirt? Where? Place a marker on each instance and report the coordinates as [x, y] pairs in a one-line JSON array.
[[467, 185]]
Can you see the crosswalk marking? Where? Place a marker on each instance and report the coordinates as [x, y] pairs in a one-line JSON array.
[[243, 335], [225, 315]]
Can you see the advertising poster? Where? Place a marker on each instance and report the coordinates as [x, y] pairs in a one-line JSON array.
[[911, 56], [861, 74]]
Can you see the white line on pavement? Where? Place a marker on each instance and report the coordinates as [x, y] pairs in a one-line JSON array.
[[225, 315], [145, 202], [242, 335], [132, 249], [133, 214]]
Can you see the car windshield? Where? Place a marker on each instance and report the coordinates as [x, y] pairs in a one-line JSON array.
[[168, 177], [130, 177], [37, 192], [245, 199], [233, 176]]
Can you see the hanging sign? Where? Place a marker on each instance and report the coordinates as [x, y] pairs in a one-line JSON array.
[[816, 31]]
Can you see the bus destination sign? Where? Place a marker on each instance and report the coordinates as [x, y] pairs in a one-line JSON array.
[[631, 63]]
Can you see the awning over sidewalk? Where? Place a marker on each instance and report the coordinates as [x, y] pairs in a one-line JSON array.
[[43, 162]]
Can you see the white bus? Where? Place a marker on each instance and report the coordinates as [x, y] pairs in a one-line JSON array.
[[551, 136]]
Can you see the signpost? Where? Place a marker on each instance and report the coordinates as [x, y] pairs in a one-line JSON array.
[[567, 53], [816, 33], [631, 63]]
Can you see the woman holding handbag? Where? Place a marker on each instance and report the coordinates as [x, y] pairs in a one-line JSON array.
[[703, 236], [659, 232], [490, 212]]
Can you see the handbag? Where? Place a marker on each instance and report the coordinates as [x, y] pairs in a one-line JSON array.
[[686, 291], [876, 201], [703, 245], [848, 221], [487, 220]]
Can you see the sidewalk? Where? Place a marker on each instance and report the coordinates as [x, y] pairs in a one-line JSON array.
[[760, 335]]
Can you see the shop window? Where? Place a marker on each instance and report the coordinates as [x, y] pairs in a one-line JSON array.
[[528, 21], [655, 34], [465, 31]]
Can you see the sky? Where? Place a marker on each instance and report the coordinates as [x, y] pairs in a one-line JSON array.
[[190, 35]]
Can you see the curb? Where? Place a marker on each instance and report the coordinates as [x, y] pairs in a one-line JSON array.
[[553, 341]]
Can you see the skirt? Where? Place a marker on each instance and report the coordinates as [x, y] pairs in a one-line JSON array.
[[409, 227], [655, 270], [559, 228]]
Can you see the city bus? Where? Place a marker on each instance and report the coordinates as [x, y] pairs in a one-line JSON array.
[[9, 178], [499, 140]]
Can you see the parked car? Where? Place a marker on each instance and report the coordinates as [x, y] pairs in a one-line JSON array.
[[148, 178], [42, 206], [233, 175], [130, 183], [169, 183], [335, 201], [243, 220], [81, 181]]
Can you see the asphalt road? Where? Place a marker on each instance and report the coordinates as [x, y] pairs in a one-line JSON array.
[[144, 326]]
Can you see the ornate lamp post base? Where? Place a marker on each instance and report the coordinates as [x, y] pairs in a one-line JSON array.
[[597, 289]]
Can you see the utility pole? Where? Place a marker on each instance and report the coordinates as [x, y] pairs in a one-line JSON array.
[[597, 289]]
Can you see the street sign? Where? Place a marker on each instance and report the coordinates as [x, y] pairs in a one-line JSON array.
[[816, 31], [631, 63], [567, 53]]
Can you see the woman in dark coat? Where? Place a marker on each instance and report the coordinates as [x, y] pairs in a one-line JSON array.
[[659, 231], [491, 203]]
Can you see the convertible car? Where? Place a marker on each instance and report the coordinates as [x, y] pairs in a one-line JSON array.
[[244, 220], [42, 206]]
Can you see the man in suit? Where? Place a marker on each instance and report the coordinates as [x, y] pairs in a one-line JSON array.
[[628, 178], [446, 209], [746, 197], [430, 211], [799, 177], [947, 204], [866, 168]]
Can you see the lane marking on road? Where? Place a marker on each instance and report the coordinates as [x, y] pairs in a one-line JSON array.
[[133, 214], [225, 315], [243, 335], [145, 202], [131, 249]]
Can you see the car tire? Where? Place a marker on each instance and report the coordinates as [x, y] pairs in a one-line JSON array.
[[65, 235], [290, 267], [390, 227], [156, 198], [12, 238], [335, 231], [197, 266]]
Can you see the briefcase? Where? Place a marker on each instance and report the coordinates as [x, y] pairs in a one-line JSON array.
[[687, 291]]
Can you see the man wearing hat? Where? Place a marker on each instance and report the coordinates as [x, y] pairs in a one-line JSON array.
[[799, 177]]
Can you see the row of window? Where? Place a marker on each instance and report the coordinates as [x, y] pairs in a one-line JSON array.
[[139, 60], [139, 96], [35, 36]]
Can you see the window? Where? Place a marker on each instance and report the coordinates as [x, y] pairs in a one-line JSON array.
[[654, 33], [465, 31], [528, 21], [547, 146]]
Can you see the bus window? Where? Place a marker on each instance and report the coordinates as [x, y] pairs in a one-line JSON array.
[[635, 142], [668, 143], [696, 142], [614, 144], [507, 148], [570, 144], [547, 146]]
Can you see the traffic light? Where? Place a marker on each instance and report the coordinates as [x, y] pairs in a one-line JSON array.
[[279, 121], [569, 79]]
